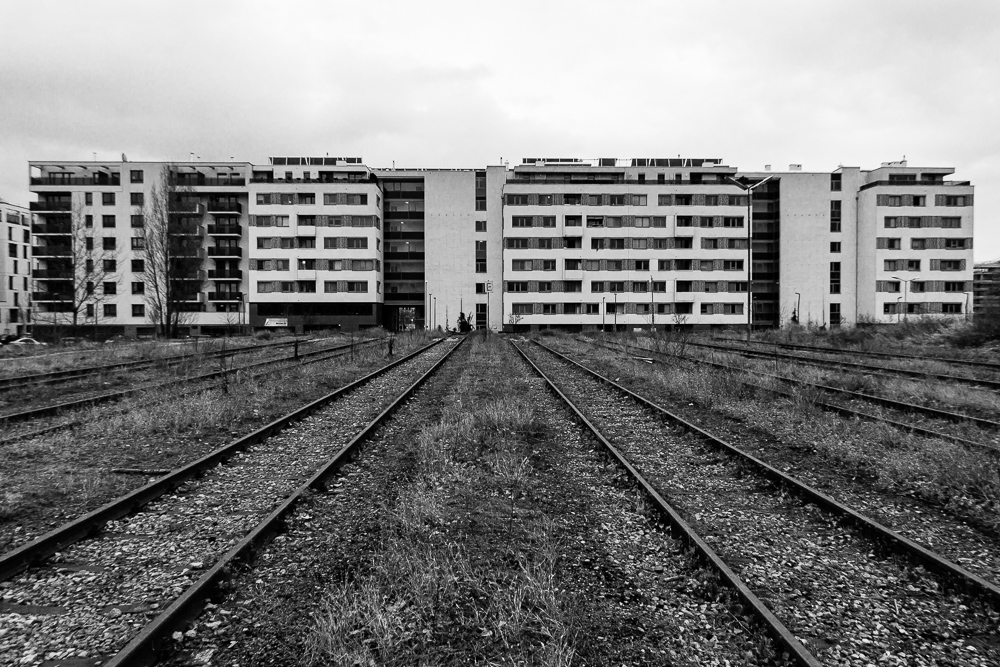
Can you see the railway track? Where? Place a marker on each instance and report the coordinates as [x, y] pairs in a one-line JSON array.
[[54, 377], [162, 549], [822, 580], [108, 397], [995, 367], [868, 369], [841, 409]]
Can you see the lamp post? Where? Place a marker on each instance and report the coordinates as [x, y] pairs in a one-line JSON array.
[[435, 312], [898, 309], [604, 312], [749, 190], [798, 308], [652, 307], [906, 284], [616, 312]]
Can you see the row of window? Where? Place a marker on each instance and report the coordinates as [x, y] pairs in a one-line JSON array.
[[316, 264], [616, 221], [317, 221], [662, 243], [628, 286], [630, 308], [309, 199], [920, 286], [921, 200], [921, 308], [309, 286], [625, 200], [885, 243], [628, 265], [923, 222], [309, 242]]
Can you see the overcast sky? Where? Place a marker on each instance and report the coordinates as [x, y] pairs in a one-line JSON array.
[[465, 84]]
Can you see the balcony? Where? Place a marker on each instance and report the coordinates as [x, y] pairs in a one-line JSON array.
[[186, 230], [191, 252], [225, 230], [403, 215], [51, 296], [225, 296], [51, 251], [54, 180], [212, 182], [215, 274], [404, 236], [53, 274], [187, 208], [51, 228], [405, 275], [50, 206], [216, 251], [405, 296], [224, 207], [404, 255]]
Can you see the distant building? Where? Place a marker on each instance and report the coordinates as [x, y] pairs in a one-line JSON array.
[[309, 243], [986, 287], [15, 269]]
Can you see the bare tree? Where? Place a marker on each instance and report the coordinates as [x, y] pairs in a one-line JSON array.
[[78, 269], [169, 233]]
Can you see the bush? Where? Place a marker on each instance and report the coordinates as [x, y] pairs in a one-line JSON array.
[[264, 335]]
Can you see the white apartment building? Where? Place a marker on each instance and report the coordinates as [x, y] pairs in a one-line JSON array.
[[15, 269], [320, 242]]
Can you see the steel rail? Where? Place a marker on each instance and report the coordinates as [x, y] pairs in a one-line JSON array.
[[52, 377], [967, 580], [826, 405], [869, 369], [260, 368], [774, 627], [45, 411], [45, 545], [886, 355], [145, 647]]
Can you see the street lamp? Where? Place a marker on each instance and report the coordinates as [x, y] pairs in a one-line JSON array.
[[749, 189], [616, 312], [898, 309], [906, 284], [435, 312], [604, 312]]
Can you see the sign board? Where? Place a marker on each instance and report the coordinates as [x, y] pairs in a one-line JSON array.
[[276, 322], [489, 285]]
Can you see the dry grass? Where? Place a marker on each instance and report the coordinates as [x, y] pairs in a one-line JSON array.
[[430, 598]]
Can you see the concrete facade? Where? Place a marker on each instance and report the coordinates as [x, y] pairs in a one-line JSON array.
[[15, 269], [308, 243]]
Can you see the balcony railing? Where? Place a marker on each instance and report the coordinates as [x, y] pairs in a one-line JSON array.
[[923, 184], [216, 251], [405, 275], [90, 180], [186, 230], [52, 274], [197, 253], [51, 251], [225, 296], [51, 296], [214, 274], [211, 182], [51, 228], [404, 255], [50, 206], [405, 296], [224, 207], [225, 230], [404, 236]]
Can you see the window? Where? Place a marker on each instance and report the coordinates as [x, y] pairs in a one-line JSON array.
[[951, 308], [138, 310], [545, 244], [834, 314], [307, 265], [308, 199], [685, 221], [110, 288], [107, 221], [616, 286], [835, 182], [918, 244], [834, 246], [137, 222], [951, 223], [893, 244], [664, 200], [640, 286], [138, 288], [108, 243], [638, 200], [352, 243], [88, 221], [90, 287], [953, 244], [548, 221], [616, 244], [522, 308], [592, 265], [893, 200], [951, 200], [88, 198], [521, 221], [913, 265], [597, 286], [548, 265], [520, 265], [595, 220], [517, 244], [545, 200], [711, 200], [834, 277], [357, 286], [480, 225], [952, 286], [136, 199], [573, 221], [592, 308], [732, 221], [110, 310], [618, 200], [108, 198], [574, 264], [135, 175], [615, 265], [517, 286], [572, 244], [138, 266], [544, 287], [307, 242], [308, 286], [517, 200], [732, 265], [88, 243], [683, 200], [641, 265], [919, 200], [109, 265], [951, 265]]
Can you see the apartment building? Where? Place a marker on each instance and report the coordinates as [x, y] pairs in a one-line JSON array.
[[569, 243], [15, 269], [986, 288]]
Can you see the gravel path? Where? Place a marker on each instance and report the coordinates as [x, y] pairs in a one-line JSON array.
[[631, 594], [849, 605], [89, 600]]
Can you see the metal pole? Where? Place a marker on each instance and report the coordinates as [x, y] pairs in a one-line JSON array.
[[652, 307], [898, 309], [604, 311], [616, 312], [749, 261]]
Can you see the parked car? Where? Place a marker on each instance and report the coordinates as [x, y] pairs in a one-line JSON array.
[[27, 340], [7, 339]]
